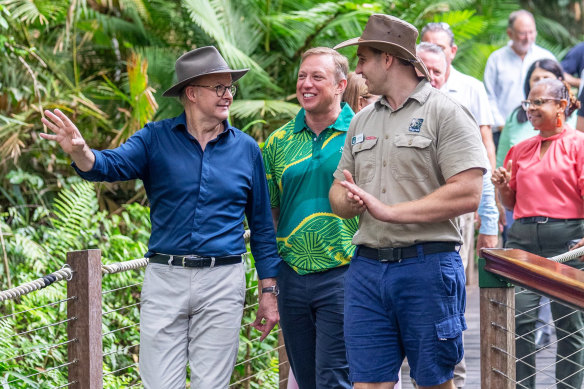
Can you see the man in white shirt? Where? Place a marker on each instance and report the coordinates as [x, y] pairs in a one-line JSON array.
[[507, 66], [468, 91]]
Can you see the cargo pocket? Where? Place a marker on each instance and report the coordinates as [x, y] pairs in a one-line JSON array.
[[449, 350], [365, 157], [410, 159]]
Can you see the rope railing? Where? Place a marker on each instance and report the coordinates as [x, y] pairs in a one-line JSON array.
[[64, 274], [251, 356], [564, 285]]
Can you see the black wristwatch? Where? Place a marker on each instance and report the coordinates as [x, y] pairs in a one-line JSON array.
[[271, 289]]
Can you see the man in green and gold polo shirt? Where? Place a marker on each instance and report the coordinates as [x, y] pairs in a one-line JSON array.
[[300, 159]]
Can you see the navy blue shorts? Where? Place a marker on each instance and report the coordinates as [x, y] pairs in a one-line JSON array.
[[412, 308]]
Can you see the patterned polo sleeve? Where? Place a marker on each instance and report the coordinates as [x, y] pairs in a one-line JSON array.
[[269, 155]]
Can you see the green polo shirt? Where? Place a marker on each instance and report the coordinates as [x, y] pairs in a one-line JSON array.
[[299, 168]]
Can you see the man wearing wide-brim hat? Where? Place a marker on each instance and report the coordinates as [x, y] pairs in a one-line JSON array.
[[202, 176], [412, 162]]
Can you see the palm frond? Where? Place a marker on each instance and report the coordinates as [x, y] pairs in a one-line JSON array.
[[246, 109]]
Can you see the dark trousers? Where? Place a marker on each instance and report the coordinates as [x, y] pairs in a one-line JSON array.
[[547, 240], [311, 316]]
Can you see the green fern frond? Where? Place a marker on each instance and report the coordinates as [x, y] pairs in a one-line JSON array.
[[245, 109]]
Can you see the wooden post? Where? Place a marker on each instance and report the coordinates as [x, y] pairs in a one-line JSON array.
[[497, 316], [84, 290], [284, 369]]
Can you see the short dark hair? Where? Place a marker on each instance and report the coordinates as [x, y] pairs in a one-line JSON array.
[[561, 91], [546, 64], [402, 61]]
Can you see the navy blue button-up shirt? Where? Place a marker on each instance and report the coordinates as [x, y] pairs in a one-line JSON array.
[[197, 198]]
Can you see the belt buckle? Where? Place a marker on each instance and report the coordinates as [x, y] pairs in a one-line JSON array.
[[541, 220], [386, 254], [189, 258]]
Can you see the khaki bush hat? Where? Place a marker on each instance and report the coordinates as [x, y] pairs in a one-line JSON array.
[[392, 35], [197, 63]]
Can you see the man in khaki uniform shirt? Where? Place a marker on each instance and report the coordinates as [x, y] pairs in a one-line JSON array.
[[417, 161]]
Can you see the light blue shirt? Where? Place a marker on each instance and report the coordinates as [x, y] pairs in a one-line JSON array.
[[470, 93], [488, 211], [504, 76]]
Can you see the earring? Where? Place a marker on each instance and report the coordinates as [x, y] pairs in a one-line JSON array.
[[558, 121]]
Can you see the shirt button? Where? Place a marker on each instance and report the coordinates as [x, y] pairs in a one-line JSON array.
[[410, 142], [386, 137], [383, 190], [384, 163]]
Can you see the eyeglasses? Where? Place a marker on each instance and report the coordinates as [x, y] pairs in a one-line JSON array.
[[526, 104], [220, 89]]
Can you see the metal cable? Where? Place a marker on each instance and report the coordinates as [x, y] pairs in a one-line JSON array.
[[121, 329], [259, 356], [508, 378], [119, 309], [45, 371], [258, 338], [123, 368], [40, 349], [123, 287], [258, 373], [124, 349], [64, 274], [65, 385], [35, 308], [42, 328]]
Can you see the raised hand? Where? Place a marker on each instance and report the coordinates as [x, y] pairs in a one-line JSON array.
[[69, 138], [502, 176], [362, 200]]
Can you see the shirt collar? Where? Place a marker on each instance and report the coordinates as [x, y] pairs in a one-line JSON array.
[[553, 137], [510, 43], [180, 122], [341, 124], [420, 94]]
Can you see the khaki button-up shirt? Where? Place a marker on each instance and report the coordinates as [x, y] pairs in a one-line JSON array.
[[405, 154]]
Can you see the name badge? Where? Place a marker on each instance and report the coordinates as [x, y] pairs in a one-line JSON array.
[[357, 139]]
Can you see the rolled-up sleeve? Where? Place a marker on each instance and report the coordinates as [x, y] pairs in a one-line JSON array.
[[259, 217], [488, 211]]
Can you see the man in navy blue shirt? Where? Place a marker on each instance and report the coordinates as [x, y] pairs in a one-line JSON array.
[[202, 176]]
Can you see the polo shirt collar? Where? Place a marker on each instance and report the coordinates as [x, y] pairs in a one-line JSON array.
[[180, 122], [420, 94], [341, 124]]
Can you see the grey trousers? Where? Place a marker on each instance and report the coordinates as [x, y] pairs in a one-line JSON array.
[[194, 315], [547, 240]]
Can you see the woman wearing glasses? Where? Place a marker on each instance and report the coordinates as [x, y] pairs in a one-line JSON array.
[[543, 182], [517, 127]]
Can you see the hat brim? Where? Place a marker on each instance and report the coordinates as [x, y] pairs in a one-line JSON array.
[[392, 49], [176, 90]]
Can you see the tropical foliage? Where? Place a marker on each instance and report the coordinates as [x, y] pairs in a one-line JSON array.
[[106, 64]]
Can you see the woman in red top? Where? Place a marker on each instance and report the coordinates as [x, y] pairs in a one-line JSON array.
[[543, 183]]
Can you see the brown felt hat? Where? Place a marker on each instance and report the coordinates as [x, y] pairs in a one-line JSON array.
[[391, 35], [197, 63]]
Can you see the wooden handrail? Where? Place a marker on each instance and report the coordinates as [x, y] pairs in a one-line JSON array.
[[555, 280]]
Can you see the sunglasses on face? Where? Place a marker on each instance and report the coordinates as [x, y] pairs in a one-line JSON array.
[[526, 104]]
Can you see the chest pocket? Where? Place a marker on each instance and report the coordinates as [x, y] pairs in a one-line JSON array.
[[410, 157], [365, 158]]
